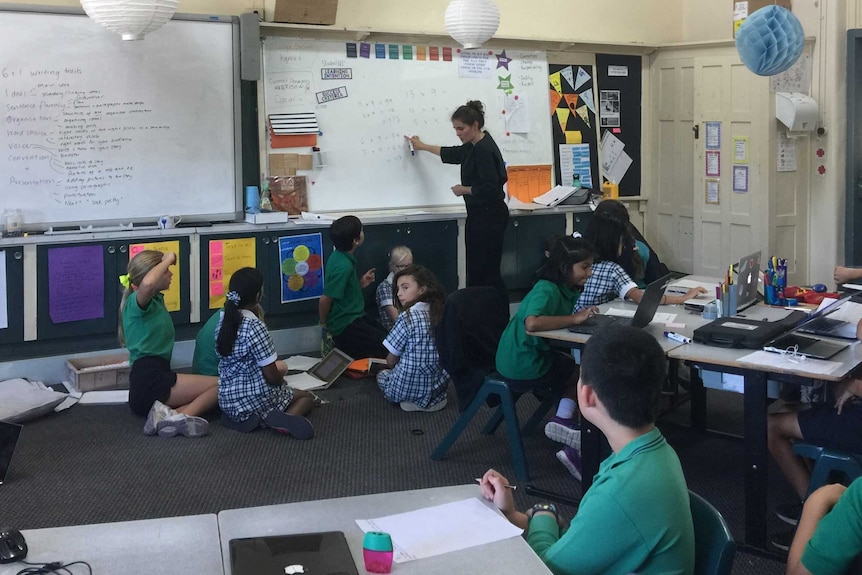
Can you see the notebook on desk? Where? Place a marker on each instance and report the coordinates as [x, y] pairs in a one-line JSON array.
[[324, 553], [9, 435], [322, 375], [647, 307]]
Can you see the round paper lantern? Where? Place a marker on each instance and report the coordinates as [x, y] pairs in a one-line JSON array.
[[472, 22], [770, 40], [131, 19]]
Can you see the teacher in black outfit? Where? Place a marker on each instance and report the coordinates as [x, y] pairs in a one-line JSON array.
[[483, 174]]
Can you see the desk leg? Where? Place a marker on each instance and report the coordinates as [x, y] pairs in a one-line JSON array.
[[698, 399], [591, 440], [756, 459]]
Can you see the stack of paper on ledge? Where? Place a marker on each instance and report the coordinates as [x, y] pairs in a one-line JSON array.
[[556, 195]]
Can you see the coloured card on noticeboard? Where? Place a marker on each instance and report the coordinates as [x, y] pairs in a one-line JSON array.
[[172, 294], [301, 262], [225, 258]]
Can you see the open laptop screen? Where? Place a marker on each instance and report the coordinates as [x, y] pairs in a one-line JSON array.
[[9, 434]]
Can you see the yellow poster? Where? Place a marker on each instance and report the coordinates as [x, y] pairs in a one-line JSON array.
[[226, 257], [172, 294], [574, 137], [563, 117]]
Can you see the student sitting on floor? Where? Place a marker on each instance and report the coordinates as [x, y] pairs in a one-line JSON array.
[[828, 540], [251, 378], [172, 402], [834, 425], [527, 362], [342, 307], [205, 358], [400, 258], [609, 280], [415, 379], [636, 516]]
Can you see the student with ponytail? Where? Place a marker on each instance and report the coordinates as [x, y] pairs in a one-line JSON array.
[[251, 377], [172, 402]]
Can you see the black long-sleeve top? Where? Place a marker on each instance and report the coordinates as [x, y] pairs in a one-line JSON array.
[[482, 168]]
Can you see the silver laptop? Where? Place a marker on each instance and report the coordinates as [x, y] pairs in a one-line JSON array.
[[643, 315], [9, 435], [747, 274], [322, 375], [830, 327], [809, 346]]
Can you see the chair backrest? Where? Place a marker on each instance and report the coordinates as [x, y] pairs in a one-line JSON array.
[[467, 337], [714, 547]]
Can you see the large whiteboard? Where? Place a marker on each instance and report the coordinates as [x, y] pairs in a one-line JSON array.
[[368, 163], [96, 128]]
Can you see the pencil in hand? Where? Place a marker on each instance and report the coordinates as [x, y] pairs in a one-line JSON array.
[[507, 486]]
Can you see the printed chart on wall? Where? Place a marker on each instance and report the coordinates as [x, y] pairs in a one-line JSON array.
[[226, 257], [301, 261], [573, 124], [343, 109], [172, 294], [76, 283]]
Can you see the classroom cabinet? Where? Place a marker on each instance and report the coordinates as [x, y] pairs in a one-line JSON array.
[[434, 246], [12, 330], [524, 248], [78, 292], [580, 221]]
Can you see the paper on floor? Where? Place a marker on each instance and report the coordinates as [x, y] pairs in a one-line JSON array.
[[301, 362]]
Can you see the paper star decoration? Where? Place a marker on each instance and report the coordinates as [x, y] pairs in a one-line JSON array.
[[506, 84], [502, 60]]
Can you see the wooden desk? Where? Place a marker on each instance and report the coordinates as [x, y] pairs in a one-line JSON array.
[[755, 416], [171, 545], [502, 557]]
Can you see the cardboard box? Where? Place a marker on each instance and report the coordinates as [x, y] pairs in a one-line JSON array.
[[742, 10], [300, 11], [99, 372]]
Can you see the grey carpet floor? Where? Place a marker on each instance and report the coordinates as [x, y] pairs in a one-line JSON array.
[[92, 464]]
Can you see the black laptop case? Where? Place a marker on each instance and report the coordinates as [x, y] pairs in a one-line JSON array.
[[745, 333]]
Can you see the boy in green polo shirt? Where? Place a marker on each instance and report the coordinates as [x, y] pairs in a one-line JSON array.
[[636, 516], [342, 306]]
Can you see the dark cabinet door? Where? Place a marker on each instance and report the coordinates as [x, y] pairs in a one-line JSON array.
[[13, 258]]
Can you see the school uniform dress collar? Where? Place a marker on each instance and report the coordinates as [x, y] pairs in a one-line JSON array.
[[420, 306], [390, 277], [248, 313]]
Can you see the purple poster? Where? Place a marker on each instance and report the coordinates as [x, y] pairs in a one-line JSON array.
[[76, 283]]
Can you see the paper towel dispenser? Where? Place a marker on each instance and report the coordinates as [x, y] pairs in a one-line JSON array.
[[796, 111]]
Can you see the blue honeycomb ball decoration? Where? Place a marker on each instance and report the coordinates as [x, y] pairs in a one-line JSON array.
[[770, 40]]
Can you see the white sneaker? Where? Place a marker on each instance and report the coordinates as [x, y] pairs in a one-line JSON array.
[[158, 412], [182, 424], [410, 406]]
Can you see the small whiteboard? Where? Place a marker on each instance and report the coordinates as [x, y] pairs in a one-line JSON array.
[[100, 129], [367, 104]]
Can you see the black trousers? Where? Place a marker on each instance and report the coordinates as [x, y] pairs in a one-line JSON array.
[[485, 229], [362, 338]]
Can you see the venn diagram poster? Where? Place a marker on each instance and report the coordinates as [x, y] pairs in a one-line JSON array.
[[301, 260]]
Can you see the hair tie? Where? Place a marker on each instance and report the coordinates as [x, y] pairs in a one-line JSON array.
[[125, 281], [577, 235], [233, 297]]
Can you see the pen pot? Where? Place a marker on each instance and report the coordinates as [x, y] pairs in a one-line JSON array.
[[252, 200], [730, 307], [377, 552], [710, 311]]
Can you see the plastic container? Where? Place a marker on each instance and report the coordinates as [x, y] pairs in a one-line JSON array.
[[610, 191], [252, 199], [377, 552], [99, 372]]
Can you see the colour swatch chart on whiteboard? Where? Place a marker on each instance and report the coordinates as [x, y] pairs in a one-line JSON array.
[[367, 97], [226, 257], [301, 263], [172, 294]]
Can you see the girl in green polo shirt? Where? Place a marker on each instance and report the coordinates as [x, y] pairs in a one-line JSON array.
[[527, 362]]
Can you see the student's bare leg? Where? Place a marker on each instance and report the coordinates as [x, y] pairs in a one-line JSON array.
[[782, 430], [194, 394], [301, 403]]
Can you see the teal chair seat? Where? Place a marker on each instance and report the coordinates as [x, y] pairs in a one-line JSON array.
[[829, 465], [714, 547]]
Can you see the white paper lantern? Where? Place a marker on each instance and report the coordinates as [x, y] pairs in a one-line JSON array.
[[131, 19], [472, 22]]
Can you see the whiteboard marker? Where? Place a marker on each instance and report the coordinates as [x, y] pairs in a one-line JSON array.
[[412, 150]]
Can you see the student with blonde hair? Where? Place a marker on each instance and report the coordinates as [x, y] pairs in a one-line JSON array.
[[172, 402], [400, 259]]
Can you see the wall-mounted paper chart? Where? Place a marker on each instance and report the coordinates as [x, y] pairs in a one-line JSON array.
[[172, 294], [226, 257]]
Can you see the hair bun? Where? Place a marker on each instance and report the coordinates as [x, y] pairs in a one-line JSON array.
[[477, 105]]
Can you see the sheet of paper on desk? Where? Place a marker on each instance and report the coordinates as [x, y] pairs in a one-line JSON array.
[[662, 317], [620, 312], [851, 312], [683, 285], [301, 362], [770, 359], [304, 381], [442, 529]]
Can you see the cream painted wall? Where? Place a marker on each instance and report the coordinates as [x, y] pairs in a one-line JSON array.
[[699, 18], [608, 22]]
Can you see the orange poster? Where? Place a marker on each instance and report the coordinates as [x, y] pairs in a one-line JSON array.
[[527, 182]]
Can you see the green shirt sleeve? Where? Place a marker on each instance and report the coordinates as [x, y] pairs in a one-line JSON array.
[[838, 538]]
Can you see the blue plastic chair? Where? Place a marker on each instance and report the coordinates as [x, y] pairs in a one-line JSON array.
[[827, 464], [506, 412], [714, 547]]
